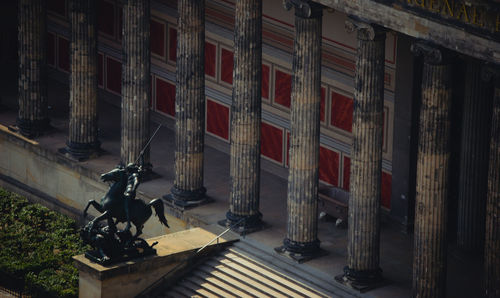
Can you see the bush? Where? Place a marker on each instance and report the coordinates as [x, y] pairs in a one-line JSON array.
[[36, 246]]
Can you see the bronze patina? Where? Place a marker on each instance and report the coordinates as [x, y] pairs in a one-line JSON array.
[[120, 205]]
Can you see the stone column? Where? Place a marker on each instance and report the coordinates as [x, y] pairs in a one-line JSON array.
[[188, 187], [492, 239], [476, 121], [135, 81], [429, 252], [32, 117], [362, 270], [82, 139], [246, 117], [301, 240]]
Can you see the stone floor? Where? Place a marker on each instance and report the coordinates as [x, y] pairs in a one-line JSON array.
[[464, 272]]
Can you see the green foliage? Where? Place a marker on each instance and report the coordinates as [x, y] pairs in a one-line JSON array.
[[36, 246]]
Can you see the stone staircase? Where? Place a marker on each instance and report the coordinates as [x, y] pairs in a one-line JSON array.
[[246, 270]]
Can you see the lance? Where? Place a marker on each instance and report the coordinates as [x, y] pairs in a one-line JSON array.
[[147, 144]]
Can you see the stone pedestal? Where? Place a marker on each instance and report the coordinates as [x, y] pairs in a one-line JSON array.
[[362, 271], [32, 117], [429, 252], [82, 139], [136, 82], [188, 189], [130, 278], [246, 117], [475, 140], [301, 241]]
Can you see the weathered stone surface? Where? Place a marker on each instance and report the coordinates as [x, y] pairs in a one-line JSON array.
[[82, 138], [190, 103], [135, 80], [429, 254], [492, 239], [472, 186], [32, 89], [131, 278], [302, 200], [246, 116], [404, 21], [366, 157]]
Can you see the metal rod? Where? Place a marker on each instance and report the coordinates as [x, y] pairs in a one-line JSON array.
[[147, 144]]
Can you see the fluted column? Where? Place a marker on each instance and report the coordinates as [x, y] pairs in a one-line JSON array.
[[32, 117], [473, 175], [301, 239], [188, 187], [246, 117], [82, 137], [429, 252], [492, 239], [135, 80], [363, 250]]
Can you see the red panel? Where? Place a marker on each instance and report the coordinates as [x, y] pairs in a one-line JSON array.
[[217, 119], [265, 81], [57, 6], [172, 44], [63, 51], [106, 17], [226, 68], [322, 109], [113, 75], [329, 166], [100, 69], [283, 88], [347, 173], [210, 52], [157, 38], [342, 108], [386, 190], [51, 49], [271, 143], [165, 97]]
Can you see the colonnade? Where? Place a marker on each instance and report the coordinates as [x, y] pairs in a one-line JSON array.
[[301, 240]]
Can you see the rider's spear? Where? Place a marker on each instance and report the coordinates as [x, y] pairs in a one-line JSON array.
[[147, 144]]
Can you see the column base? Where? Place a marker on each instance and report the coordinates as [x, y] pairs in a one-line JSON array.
[[361, 280], [301, 251], [81, 151], [186, 198], [248, 224], [31, 128]]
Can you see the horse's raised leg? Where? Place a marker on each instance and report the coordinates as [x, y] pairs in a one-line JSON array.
[[105, 214], [96, 205]]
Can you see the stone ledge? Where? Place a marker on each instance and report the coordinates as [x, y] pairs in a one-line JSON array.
[[127, 279]]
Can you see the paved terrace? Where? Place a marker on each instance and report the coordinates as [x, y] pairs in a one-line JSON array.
[[464, 272]]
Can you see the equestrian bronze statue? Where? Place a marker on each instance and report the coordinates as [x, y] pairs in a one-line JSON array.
[[119, 205]]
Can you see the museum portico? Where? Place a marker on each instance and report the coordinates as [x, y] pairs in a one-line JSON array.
[[402, 111]]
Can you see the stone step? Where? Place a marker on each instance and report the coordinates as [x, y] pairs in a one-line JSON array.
[[241, 270]]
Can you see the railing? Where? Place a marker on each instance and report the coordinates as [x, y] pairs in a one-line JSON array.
[[146, 292]]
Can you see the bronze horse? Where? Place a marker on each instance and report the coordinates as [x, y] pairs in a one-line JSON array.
[[112, 204]]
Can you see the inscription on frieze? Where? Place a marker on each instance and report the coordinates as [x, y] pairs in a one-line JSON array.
[[476, 16]]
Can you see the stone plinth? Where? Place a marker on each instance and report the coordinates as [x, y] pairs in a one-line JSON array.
[[127, 279]]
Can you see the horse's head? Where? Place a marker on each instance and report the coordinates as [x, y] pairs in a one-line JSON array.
[[114, 175]]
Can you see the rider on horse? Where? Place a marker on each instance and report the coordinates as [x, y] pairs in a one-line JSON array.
[[133, 181]]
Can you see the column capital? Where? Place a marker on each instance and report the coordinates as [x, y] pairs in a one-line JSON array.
[[304, 8], [432, 54], [490, 72], [366, 30]]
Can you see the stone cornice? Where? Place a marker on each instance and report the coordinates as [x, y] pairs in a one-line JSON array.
[[419, 27]]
